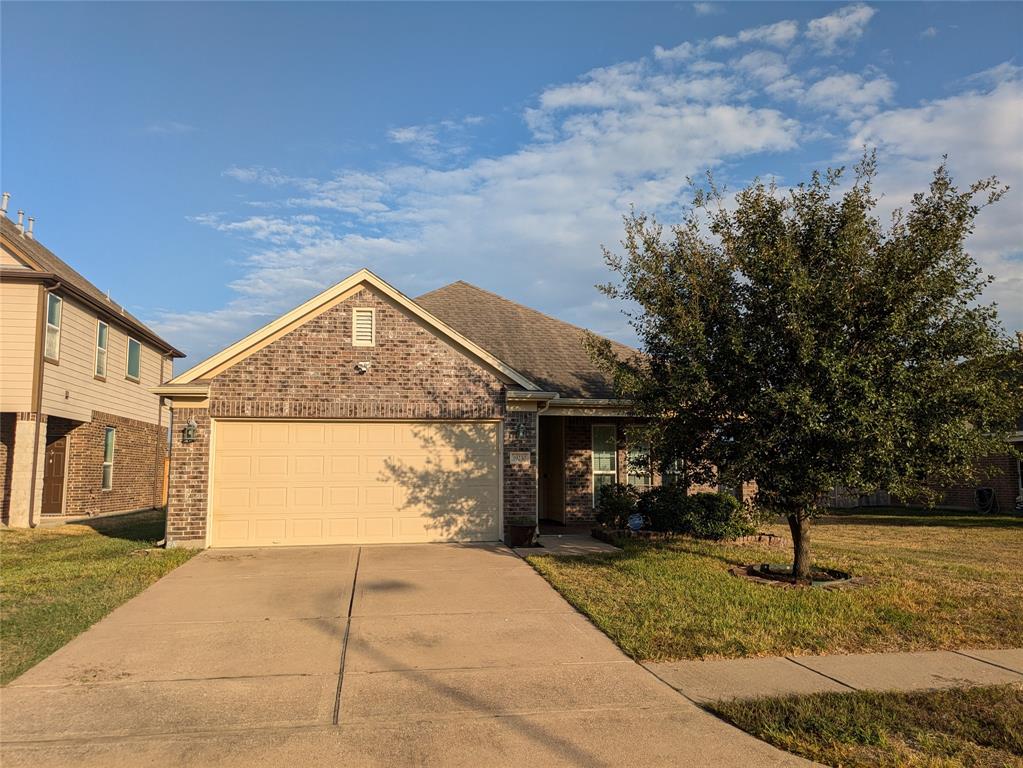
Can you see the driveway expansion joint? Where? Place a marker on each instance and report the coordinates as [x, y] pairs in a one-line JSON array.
[[344, 641]]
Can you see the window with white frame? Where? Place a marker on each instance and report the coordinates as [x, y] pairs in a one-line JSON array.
[[133, 366], [604, 457], [102, 335], [639, 473], [109, 438], [54, 311], [363, 327]]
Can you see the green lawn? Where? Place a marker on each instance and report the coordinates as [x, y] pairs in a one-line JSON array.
[[57, 582], [975, 727], [935, 581]]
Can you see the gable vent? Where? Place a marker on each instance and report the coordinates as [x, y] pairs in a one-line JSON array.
[[363, 330]]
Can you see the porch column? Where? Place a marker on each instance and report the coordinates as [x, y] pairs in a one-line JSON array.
[[21, 470], [520, 455]]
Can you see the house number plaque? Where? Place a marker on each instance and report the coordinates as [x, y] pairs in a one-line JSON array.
[[518, 457]]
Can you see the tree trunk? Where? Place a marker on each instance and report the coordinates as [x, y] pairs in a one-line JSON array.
[[799, 525]]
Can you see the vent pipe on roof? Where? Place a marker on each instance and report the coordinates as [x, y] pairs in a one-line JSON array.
[[31, 226], [6, 198], [21, 222]]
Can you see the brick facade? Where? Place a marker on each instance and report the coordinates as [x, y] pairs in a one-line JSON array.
[[520, 479], [139, 449], [311, 373], [138, 463], [189, 479]]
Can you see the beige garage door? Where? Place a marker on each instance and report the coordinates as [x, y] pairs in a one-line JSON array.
[[278, 482]]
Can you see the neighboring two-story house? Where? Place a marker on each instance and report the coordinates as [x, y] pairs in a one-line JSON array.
[[81, 431]]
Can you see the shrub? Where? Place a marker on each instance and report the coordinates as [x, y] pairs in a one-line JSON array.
[[718, 516], [615, 503], [665, 509]]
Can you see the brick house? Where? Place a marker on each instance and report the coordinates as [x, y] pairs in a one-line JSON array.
[[81, 431], [364, 416]]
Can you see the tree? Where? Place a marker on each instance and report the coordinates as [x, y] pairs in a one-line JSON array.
[[791, 340]]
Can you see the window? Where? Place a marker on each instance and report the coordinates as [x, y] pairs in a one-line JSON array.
[[133, 369], [54, 309], [363, 327], [102, 331], [108, 458], [605, 457], [639, 465], [672, 473]]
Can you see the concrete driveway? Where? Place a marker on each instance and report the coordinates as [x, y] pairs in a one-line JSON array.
[[390, 655]]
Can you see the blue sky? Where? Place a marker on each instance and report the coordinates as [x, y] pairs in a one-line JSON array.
[[213, 165]]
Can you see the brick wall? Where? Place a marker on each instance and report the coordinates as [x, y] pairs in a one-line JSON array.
[[311, 373], [189, 479], [520, 479], [7, 421], [138, 464]]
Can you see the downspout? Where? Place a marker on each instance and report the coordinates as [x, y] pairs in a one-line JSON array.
[[38, 397]]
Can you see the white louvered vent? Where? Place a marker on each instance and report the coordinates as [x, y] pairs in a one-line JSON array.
[[363, 331]]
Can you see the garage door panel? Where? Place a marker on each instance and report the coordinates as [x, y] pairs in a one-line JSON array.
[[320, 482]]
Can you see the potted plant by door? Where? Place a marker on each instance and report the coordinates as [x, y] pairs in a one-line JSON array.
[[521, 531]]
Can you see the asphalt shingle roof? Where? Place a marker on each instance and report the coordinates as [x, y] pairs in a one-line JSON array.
[[546, 350]]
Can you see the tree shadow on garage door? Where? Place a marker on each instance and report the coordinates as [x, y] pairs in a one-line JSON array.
[[449, 483]]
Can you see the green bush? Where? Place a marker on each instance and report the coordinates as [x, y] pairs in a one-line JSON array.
[[664, 508], [615, 503], [718, 516]]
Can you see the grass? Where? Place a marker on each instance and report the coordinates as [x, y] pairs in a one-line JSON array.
[[975, 727], [57, 582], [935, 582]]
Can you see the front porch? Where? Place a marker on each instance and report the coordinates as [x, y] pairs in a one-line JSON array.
[[568, 474]]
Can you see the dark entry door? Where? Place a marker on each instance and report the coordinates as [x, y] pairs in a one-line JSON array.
[[53, 477]]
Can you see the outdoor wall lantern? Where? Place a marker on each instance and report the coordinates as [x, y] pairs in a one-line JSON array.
[[190, 432]]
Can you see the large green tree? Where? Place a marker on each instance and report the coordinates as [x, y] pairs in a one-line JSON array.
[[793, 340]]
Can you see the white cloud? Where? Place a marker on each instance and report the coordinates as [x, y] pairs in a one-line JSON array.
[[929, 32], [780, 35], [850, 96], [169, 128], [982, 134], [619, 135], [436, 142], [706, 9], [765, 66], [831, 34], [622, 135]]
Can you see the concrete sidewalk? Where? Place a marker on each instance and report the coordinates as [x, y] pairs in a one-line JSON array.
[[709, 681]]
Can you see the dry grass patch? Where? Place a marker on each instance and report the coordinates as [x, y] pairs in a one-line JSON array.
[[935, 582]]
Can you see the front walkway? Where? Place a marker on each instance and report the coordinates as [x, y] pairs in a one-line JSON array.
[[709, 681], [391, 655]]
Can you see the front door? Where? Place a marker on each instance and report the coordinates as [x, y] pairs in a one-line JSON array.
[[53, 477]]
